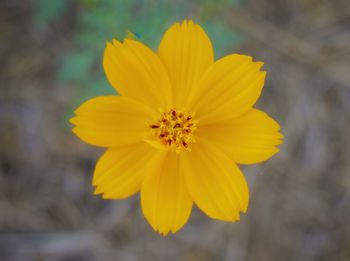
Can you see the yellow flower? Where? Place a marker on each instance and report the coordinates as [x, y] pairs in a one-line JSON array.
[[180, 127]]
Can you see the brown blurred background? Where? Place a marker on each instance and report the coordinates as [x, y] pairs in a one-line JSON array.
[[50, 61]]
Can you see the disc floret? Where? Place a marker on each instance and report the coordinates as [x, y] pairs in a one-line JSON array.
[[175, 130]]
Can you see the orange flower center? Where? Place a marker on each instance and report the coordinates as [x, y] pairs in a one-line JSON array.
[[175, 130]]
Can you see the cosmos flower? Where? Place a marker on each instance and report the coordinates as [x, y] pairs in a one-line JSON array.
[[179, 128]]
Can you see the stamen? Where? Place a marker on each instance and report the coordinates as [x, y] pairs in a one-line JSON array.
[[175, 130]]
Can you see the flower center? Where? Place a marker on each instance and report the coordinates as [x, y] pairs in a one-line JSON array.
[[175, 130]]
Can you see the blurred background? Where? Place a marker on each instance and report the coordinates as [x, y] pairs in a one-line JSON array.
[[50, 61]]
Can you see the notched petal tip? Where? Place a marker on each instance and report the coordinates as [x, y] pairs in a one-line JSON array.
[[167, 232], [188, 22], [239, 214], [162, 233], [109, 45], [279, 136], [75, 130], [115, 42], [129, 41], [73, 120], [184, 22], [259, 64], [97, 191]]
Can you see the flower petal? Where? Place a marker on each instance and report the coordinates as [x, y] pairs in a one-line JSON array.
[[230, 87], [248, 139], [109, 121], [186, 52], [214, 182], [135, 71], [120, 170], [165, 201]]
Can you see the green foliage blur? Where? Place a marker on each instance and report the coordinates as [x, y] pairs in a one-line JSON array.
[[101, 20]]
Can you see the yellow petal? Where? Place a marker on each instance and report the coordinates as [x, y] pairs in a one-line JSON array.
[[112, 121], [229, 88], [135, 71], [165, 201], [186, 52], [120, 170], [248, 139], [214, 182]]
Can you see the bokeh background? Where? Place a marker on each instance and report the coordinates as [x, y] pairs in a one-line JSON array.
[[50, 61]]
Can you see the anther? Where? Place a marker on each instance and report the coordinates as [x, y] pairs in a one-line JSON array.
[[175, 130]]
